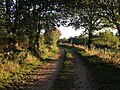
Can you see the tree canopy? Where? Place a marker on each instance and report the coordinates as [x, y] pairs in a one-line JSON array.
[[18, 17]]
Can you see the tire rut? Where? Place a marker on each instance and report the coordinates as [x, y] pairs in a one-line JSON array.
[[43, 77], [83, 78]]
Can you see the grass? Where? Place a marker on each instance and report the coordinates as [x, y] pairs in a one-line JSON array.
[[11, 71], [16, 65], [65, 78], [107, 73]]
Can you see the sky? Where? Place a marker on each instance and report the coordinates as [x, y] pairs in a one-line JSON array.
[[69, 32]]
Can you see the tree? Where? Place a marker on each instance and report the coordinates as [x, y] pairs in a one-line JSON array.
[[111, 11], [30, 17], [87, 16], [52, 36], [106, 40], [62, 40]]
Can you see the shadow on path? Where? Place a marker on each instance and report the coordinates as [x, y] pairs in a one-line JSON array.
[[43, 77]]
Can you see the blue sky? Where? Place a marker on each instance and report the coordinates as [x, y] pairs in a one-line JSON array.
[[69, 32]]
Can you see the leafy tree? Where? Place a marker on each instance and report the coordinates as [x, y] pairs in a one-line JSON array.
[[83, 39], [111, 11], [106, 40], [52, 36], [30, 17], [63, 40], [87, 16]]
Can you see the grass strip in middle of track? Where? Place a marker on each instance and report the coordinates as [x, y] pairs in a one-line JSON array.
[[65, 78]]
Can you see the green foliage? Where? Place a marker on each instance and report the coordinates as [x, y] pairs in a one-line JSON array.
[[41, 42], [46, 52], [52, 36], [69, 55], [23, 42], [13, 70], [106, 40], [63, 40]]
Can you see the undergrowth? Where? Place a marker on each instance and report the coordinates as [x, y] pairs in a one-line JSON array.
[[12, 70], [15, 65], [47, 52]]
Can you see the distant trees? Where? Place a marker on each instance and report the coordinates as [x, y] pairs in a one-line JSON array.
[[101, 40], [52, 36], [78, 40], [106, 40], [63, 40]]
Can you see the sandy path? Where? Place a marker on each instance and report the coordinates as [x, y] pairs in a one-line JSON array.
[[83, 78], [43, 77]]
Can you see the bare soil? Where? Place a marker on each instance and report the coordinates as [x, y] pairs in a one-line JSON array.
[[43, 77], [83, 78]]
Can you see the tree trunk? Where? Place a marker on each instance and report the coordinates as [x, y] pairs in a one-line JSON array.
[[8, 15], [89, 39], [38, 36], [31, 43], [118, 26], [118, 29], [37, 40]]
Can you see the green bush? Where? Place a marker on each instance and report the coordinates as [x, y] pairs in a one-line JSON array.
[[106, 40]]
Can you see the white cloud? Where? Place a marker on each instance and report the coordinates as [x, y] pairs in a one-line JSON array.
[[69, 32]]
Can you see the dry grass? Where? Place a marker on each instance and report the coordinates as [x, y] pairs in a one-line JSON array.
[[107, 56], [11, 71]]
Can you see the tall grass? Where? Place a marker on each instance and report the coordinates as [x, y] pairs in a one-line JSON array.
[[11, 71], [108, 56], [106, 71]]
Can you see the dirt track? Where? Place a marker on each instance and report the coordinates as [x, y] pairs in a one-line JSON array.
[[83, 78], [43, 77]]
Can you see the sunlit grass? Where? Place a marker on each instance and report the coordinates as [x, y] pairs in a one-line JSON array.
[[11, 71], [108, 56], [106, 72]]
